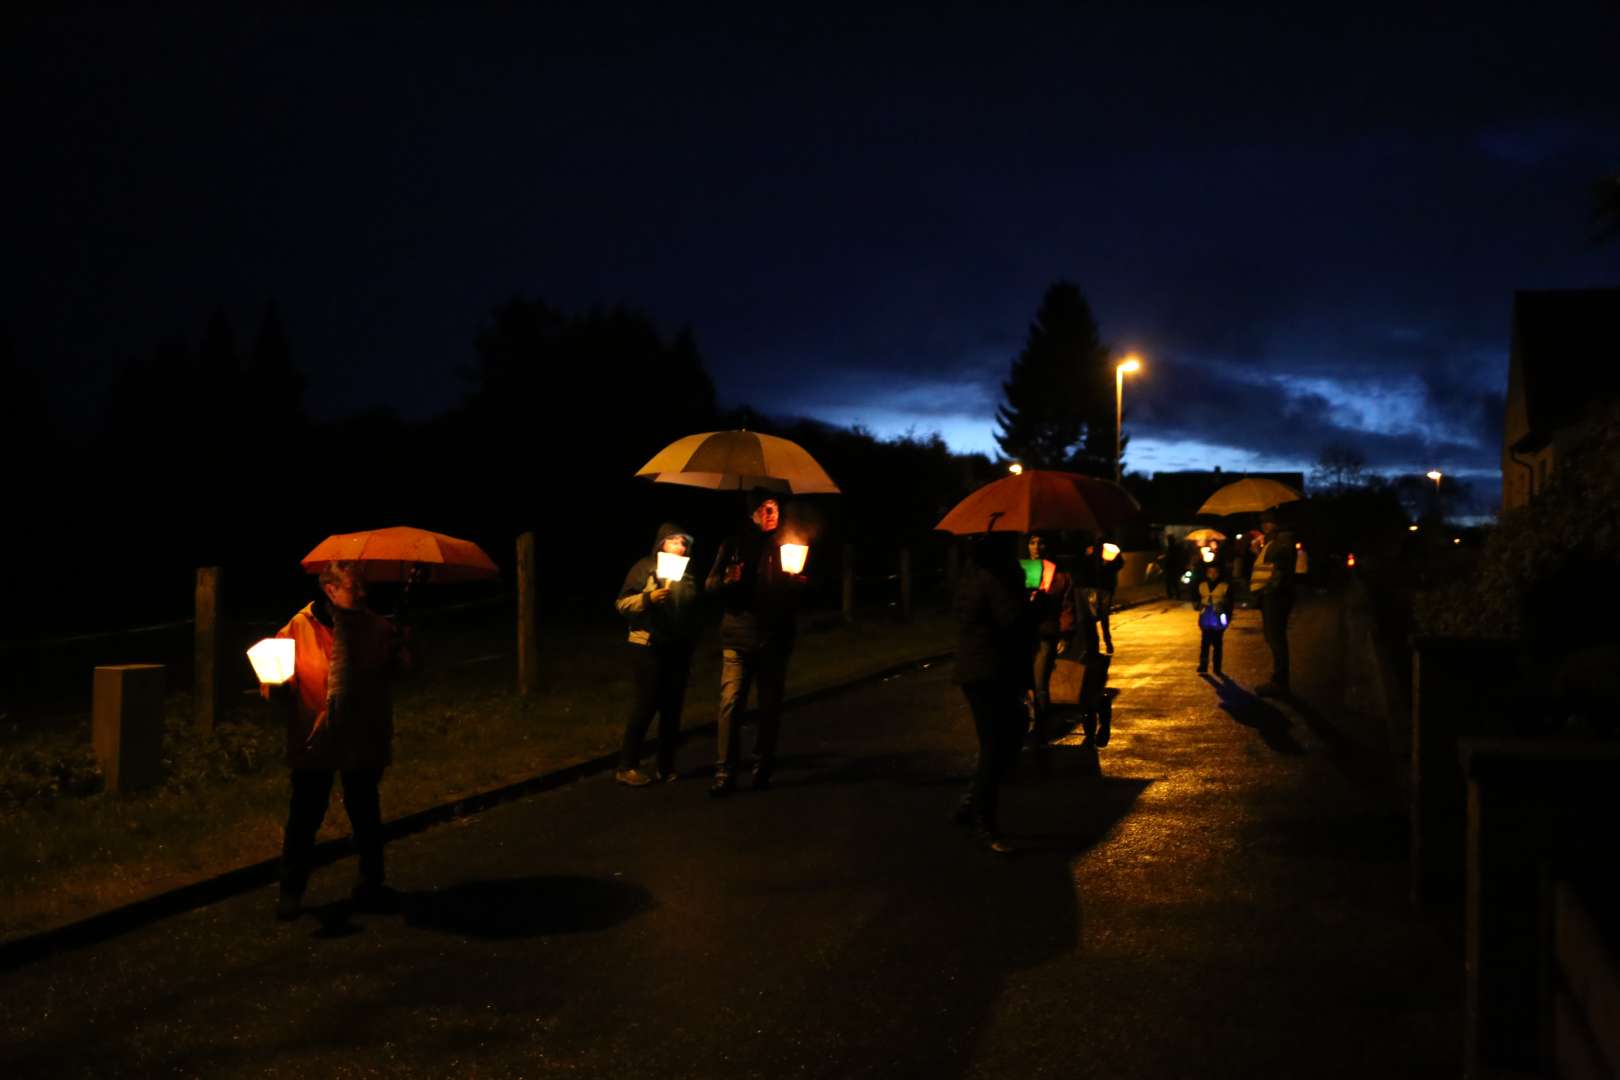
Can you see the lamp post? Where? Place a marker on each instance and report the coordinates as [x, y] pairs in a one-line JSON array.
[[1435, 475], [1130, 363]]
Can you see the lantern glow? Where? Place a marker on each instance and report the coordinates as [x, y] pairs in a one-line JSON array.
[[671, 567], [273, 660], [1110, 552], [793, 556], [1350, 559], [1208, 554]]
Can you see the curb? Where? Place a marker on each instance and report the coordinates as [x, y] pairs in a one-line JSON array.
[[121, 920]]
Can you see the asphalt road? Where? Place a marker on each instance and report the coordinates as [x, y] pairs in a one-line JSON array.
[[1217, 893]]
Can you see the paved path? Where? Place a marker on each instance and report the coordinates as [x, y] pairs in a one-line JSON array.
[[1219, 895]]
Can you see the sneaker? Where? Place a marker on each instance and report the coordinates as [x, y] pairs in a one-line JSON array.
[[998, 846], [722, 787], [374, 898], [289, 906], [632, 777], [667, 776]]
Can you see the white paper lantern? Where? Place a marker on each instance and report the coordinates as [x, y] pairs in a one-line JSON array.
[[793, 556], [672, 567], [1110, 552], [273, 660]]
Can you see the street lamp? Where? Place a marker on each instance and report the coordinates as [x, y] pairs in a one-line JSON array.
[[1435, 475], [1129, 364]]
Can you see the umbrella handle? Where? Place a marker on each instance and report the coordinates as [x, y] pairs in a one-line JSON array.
[[416, 573]]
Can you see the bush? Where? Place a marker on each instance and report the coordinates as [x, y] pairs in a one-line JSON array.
[[1564, 547]]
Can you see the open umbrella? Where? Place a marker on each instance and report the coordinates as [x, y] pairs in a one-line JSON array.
[[1249, 495], [1205, 536], [739, 461], [1038, 499], [404, 554]]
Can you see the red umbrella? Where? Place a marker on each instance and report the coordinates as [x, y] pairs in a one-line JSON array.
[[402, 553], [1042, 499]]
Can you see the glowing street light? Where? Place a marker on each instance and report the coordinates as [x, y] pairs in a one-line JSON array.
[[1435, 475], [1131, 363]]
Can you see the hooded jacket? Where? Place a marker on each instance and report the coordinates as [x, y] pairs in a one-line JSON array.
[[674, 623]]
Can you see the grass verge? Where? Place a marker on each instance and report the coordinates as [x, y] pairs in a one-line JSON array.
[[69, 850]]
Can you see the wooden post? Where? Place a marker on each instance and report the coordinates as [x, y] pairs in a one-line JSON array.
[[127, 725], [205, 698], [849, 583], [905, 583], [528, 646]]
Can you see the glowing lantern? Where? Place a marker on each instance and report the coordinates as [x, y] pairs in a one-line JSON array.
[[1350, 559], [1032, 572], [1016, 469], [793, 556], [1456, 539], [671, 567], [1207, 553], [272, 660], [1110, 552], [1186, 577], [1411, 528]]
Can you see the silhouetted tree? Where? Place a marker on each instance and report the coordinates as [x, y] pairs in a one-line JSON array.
[[1338, 467], [272, 387], [1059, 408]]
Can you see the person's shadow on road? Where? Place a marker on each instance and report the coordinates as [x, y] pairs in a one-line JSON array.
[[1250, 710], [525, 906]]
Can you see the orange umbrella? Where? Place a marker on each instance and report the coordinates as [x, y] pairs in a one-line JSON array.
[[739, 461], [1038, 499], [404, 554], [1248, 495]]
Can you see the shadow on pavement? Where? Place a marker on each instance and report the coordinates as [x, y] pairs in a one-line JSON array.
[[1270, 722], [525, 907]]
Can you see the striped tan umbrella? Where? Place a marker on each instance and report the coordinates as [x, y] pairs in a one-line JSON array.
[[739, 461]]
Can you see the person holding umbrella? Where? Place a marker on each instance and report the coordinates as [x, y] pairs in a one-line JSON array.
[[340, 719], [757, 633], [1053, 600], [661, 604], [994, 632], [1271, 583]]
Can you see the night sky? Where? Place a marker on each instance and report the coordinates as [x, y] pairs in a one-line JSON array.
[[1310, 225]]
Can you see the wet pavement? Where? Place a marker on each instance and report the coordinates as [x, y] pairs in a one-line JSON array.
[[1219, 892]]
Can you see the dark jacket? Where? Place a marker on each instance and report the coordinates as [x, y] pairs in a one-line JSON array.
[[1105, 572], [760, 608], [345, 719], [994, 622], [673, 623]]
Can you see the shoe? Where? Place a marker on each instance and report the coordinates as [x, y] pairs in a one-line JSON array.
[[667, 776], [1270, 689], [1104, 729], [632, 777], [991, 841], [722, 787], [374, 898], [999, 846], [1219, 674], [1203, 670], [289, 906]]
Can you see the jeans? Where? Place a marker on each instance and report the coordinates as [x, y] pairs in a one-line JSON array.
[[1103, 604], [311, 793], [659, 675], [1211, 643], [1274, 609], [1045, 661], [738, 670], [999, 724]]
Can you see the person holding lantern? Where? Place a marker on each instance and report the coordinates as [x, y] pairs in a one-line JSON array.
[[659, 598], [340, 719], [1104, 575], [757, 630], [1052, 597], [1214, 612]]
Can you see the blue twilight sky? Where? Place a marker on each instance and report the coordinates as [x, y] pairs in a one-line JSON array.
[[1309, 223]]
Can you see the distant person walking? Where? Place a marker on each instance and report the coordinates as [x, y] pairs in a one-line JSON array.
[[1173, 560], [994, 628], [664, 624], [340, 719], [1271, 585], [757, 633], [1214, 612], [1054, 602]]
